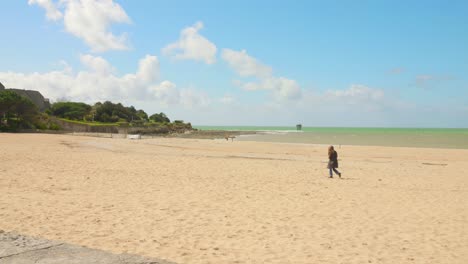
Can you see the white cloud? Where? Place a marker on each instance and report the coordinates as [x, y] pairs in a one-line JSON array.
[[99, 83], [282, 88], [313, 108], [95, 83], [191, 98], [357, 93], [244, 64], [97, 64], [356, 99], [193, 46], [166, 92], [227, 99], [285, 88], [52, 13], [148, 69], [90, 21], [247, 66]]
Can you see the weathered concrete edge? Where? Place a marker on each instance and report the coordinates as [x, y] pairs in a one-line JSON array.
[[20, 249]]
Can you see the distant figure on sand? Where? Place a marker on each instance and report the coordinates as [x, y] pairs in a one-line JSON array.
[[333, 161], [227, 137]]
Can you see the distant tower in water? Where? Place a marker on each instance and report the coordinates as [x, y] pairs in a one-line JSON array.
[[299, 127]]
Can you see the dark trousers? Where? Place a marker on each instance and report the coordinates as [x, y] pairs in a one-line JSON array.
[[334, 170]]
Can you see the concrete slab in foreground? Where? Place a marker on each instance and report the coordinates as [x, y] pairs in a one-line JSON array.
[[19, 249]]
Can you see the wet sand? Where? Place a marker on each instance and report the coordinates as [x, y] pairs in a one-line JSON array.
[[217, 201]]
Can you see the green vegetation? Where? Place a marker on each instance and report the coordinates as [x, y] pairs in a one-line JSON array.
[[109, 112], [160, 118], [89, 123], [115, 114], [18, 112], [106, 113], [70, 110]]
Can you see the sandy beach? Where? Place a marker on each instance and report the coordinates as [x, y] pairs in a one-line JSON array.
[[217, 201]]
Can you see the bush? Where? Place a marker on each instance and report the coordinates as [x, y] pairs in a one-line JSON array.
[[54, 126], [138, 123], [19, 112], [71, 110], [40, 125], [110, 112], [160, 118]]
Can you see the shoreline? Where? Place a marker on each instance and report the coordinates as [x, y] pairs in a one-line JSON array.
[[384, 140], [439, 141]]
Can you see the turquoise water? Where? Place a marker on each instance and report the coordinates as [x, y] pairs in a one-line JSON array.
[[338, 129], [398, 137]]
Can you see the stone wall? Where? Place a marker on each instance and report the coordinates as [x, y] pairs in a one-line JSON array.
[[70, 126]]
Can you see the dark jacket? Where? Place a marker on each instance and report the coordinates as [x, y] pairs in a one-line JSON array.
[[333, 160]]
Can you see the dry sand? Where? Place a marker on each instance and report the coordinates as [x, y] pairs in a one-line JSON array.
[[213, 201]]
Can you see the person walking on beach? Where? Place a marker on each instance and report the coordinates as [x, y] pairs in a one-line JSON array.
[[333, 161]]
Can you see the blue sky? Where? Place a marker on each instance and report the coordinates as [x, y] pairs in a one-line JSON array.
[[320, 63]]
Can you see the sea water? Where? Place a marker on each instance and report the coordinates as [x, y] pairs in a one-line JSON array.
[[397, 137]]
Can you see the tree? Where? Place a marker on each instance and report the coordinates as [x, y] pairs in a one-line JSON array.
[[71, 110], [110, 112], [8, 100], [26, 110], [16, 109], [160, 118], [142, 115]]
